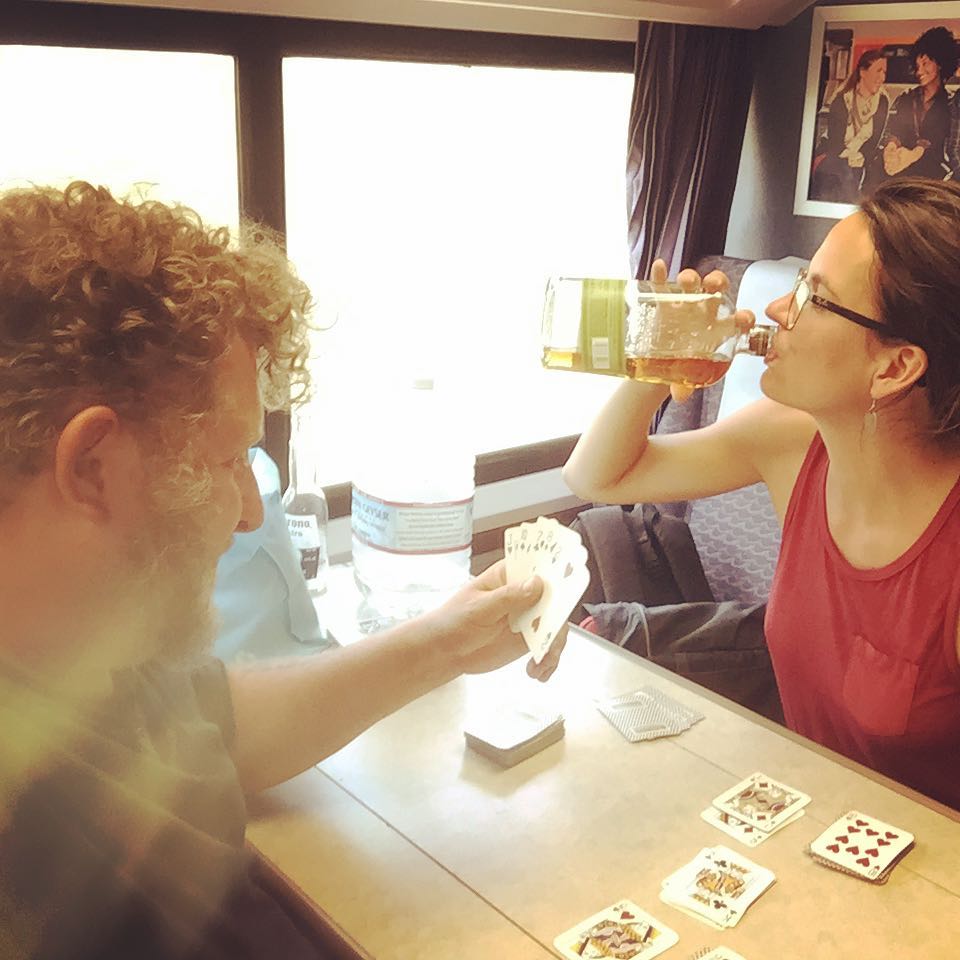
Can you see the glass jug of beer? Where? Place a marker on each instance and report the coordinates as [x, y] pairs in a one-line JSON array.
[[644, 331]]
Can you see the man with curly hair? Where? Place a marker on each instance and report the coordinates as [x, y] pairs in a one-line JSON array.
[[138, 348]]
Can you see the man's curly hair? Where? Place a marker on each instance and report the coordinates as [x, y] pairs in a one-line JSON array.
[[129, 304]]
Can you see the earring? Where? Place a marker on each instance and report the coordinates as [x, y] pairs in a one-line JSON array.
[[870, 418]]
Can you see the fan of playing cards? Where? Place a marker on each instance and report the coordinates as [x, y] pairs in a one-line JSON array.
[[556, 554]]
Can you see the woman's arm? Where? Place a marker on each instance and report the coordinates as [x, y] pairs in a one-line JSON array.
[[616, 461], [870, 145], [836, 126]]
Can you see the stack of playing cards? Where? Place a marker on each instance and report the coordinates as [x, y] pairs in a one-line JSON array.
[[756, 808], [556, 554], [716, 886], [862, 846], [623, 931], [508, 735], [648, 713]]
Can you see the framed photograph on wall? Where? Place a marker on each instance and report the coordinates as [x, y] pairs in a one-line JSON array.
[[881, 101]]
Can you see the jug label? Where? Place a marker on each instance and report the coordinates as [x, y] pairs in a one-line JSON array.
[[600, 353], [411, 528], [603, 312]]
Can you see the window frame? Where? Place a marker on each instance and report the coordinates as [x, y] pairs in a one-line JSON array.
[[259, 44]]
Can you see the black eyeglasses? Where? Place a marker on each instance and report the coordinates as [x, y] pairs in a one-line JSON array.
[[802, 293]]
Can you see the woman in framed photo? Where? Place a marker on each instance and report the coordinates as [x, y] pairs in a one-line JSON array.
[[918, 127], [858, 115]]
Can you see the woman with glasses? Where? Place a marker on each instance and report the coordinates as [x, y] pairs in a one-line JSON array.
[[858, 442]]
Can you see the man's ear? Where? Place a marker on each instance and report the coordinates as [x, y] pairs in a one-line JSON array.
[[901, 368], [95, 463]]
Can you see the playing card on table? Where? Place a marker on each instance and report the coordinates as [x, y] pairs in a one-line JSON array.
[[741, 830], [648, 713], [717, 953], [716, 886], [762, 802], [862, 845], [555, 554], [622, 930]]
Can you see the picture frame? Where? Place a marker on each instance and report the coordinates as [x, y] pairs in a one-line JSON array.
[[842, 155]]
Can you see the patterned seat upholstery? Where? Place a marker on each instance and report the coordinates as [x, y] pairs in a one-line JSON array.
[[737, 533]]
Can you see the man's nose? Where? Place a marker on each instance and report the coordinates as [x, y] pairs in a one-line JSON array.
[[251, 506]]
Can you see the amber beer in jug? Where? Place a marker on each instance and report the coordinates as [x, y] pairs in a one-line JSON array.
[[644, 331]]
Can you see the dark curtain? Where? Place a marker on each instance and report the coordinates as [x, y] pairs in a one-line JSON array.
[[692, 91]]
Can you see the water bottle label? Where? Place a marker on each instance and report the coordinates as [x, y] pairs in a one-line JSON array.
[[411, 528]]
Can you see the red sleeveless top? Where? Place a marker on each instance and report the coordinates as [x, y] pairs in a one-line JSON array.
[[866, 660]]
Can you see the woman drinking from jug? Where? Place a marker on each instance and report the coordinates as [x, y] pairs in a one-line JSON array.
[[858, 442]]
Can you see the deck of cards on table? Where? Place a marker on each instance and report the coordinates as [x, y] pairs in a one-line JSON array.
[[623, 931], [716, 886], [755, 809], [556, 554], [862, 846]]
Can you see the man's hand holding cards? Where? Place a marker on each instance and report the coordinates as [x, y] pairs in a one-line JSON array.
[[547, 549]]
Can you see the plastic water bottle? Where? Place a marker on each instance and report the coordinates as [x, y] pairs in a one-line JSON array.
[[305, 506], [412, 508]]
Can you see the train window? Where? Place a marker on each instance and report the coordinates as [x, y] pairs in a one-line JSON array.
[[426, 205], [160, 124]]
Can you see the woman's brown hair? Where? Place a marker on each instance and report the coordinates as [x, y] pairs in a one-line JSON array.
[[914, 224]]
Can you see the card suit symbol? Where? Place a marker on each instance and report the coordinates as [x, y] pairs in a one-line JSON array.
[[843, 839], [871, 832], [535, 626], [853, 850], [862, 823], [883, 843], [627, 915], [853, 829], [834, 848], [872, 853], [891, 836], [864, 862]]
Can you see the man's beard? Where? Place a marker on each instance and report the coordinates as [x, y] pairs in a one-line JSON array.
[[174, 572]]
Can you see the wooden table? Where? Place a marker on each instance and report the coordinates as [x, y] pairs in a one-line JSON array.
[[419, 848]]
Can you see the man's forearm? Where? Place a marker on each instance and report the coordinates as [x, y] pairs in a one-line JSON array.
[[294, 713]]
